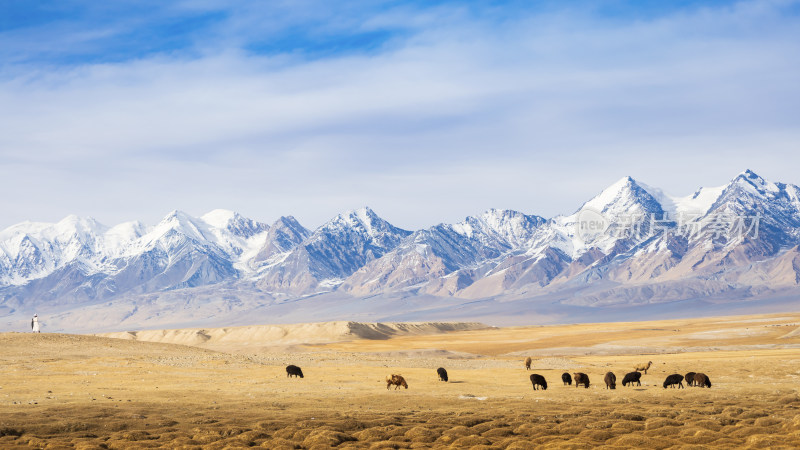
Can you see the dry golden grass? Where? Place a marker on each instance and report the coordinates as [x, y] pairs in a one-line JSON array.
[[67, 391]]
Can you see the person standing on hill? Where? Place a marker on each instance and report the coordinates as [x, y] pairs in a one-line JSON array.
[[35, 324]]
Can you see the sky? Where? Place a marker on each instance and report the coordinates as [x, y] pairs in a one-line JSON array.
[[426, 111]]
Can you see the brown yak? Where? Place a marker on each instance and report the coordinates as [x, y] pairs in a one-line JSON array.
[[396, 380], [611, 380]]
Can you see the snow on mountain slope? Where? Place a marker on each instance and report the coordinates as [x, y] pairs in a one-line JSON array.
[[658, 249], [437, 252], [179, 251], [33, 250], [119, 238], [621, 204], [332, 252], [285, 234], [224, 222], [642, 246], [696, 204], [558, 247], [749, 221], [749, 194]]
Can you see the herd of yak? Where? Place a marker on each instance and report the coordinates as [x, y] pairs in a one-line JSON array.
[[580, 378]]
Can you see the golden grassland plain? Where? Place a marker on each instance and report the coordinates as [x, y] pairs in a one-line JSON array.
[[73, 391]]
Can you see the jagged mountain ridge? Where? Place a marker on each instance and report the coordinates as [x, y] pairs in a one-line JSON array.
[[644, 252]]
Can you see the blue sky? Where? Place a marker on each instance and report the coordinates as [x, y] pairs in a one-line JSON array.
[[425, 111]]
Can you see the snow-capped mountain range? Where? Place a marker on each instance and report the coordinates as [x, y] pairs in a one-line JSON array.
[[630, 245]]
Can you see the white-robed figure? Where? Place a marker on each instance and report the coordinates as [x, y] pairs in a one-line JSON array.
[[35, 324]]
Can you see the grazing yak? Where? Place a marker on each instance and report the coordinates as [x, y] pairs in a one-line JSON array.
[[292, 370], [566, 378], [643, 367], [689, 378], [700, 379], [442, 374], [611, 380], [632, 377], [674, 379], [581, 379], [528, 363], [538, 380], [397, 381]]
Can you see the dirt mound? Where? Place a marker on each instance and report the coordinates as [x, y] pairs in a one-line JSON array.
[[24, 345], [281, 335]]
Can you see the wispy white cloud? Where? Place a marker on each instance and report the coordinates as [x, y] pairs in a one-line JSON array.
[[452, 116]]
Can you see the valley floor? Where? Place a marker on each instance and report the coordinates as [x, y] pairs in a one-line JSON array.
[[72, 391]]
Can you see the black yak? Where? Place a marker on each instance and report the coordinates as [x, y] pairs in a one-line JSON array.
[[538, 380], [442, 374], [293, 370], [632, 377], [566, 378], [674, 379]]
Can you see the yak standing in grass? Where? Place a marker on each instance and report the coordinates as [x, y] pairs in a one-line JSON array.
[[442, 374], [528, 362], [689, 378], [611, 380], [581, 379], [292, 370], [566, 378], [674, 379], [538, 380], [700, 379], [632, 377]]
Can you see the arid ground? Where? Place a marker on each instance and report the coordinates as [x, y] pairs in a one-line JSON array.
[[72, 391]]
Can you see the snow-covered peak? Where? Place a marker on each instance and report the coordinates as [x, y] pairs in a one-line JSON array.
[[220, 218], [752, 183], [285, 234], [361, 219], [234, 223], [73, 223], [624, 197], [748, 194], [611, 193], [23, 229], [499, 219], [176, 222], [72, 230], [513, 227], [749, 175], [706, 198], [289, 223], [176, 216]]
